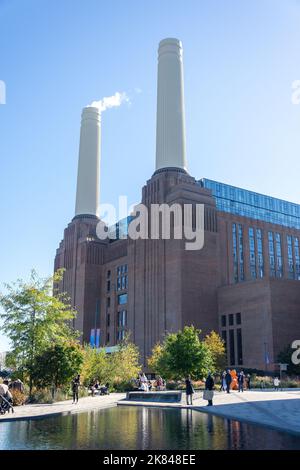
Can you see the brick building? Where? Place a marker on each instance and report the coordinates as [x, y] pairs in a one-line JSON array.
[[244, 282]]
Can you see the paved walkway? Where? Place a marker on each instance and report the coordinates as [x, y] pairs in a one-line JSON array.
[[277, 410], [63, 407]]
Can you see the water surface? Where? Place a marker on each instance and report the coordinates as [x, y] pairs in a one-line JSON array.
[[140, 428]]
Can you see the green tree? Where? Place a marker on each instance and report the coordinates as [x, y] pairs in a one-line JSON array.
[[217, 348], [285, 357], [33, 318], [182, 354], [56, 365], [95, 366], [116, 368], [124, 363]]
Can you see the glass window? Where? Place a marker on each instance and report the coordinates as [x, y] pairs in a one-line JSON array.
[[238, 318], [239, 346], [252, 253], [279, 263], [291, 274], [108, 274], [241, 252], [231, 319], [122, 299], [224, 337], [231, 347], [223, 320], [108, 286], [122, 318], [297, 257], [271, 254], [235, 258], [108, 320], [107, 337], [108, 302], [260, 256]]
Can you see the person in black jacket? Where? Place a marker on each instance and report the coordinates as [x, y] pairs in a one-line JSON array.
[[189, 390], [228, 379], [209, 385]]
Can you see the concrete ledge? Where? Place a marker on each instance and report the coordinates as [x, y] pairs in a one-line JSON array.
[[156, 397]]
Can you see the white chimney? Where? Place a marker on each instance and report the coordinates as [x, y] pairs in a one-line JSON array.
[[170, 119], [87, 195]]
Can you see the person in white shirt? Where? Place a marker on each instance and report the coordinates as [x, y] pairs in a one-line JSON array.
[[276, 383]]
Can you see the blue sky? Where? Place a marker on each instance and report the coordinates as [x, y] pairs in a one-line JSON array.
[[56, 56]]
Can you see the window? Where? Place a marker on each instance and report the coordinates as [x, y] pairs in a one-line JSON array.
[[121, 335], [231, 319], [260, 256], [108, 274], [239, 346], [108, 286], [231, 347], [224, 338], [107, 338], [108, 302], [241, 252], [290, 257], [238, 318], [122, 299], [271, 254], [108, 320], [223, 320], [279, 264], [122, 282], [297, 257], [252, 253], [122, 318], [235, 258]]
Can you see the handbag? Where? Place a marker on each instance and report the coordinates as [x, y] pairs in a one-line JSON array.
[[208, 394]]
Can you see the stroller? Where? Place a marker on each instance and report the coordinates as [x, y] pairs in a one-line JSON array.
[[6, 404]]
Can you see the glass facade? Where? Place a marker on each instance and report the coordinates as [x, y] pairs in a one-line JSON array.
[[120, 229], [260, 254], [290, 256], [250, 204], [279, 263], [252, 253]]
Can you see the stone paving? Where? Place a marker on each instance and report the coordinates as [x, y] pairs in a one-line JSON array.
[[63, 407]]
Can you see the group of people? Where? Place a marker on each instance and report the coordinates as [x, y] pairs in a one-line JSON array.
[[94, 387], [6, 390], [230, 379], [143, 384]]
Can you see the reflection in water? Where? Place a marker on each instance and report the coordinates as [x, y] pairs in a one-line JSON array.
[[140, 428]]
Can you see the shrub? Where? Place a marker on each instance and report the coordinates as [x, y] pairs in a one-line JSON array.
[[18, 397]]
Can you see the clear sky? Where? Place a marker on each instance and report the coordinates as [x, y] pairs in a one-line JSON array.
[[56, 56]]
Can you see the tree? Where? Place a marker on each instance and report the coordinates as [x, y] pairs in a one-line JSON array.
[[182, 354], [116, 368], [56, 365], [124, 362], [217, 348], [95, 366], [33, 318], [285, 357]]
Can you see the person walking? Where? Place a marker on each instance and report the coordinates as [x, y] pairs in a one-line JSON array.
[[75, 388], [248, 379], [228, 380], [209, 386], [276, 383], [189, 390], [223, 382], [241, 378]]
